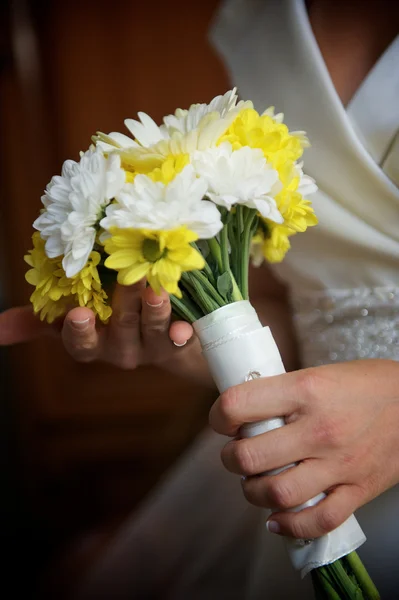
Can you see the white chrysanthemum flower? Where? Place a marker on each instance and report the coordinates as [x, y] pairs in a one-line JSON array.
[[239, 177], [207, 135], [146, 204], [307, 184], [74, 203], [279, 117], [224, 106], [145, 133], [221, 111], [109, 142]]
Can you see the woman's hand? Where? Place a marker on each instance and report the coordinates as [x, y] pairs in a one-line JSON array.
[[140, 332], [343, 428]]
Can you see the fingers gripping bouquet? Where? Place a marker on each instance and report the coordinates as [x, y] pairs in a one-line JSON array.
[[185, 205]]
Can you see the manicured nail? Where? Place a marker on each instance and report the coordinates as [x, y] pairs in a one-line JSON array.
[[154, 305], [81, 325], [273, 527], [180, 345]]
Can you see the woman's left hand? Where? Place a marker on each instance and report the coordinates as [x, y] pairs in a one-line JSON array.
[[342, 427]]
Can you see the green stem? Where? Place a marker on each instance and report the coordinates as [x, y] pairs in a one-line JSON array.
[[214, 249], [206, 302], [196, 298], [182, 310], [208, 287], [236, 295], [224, 247], [245, 251], [235, 249], [323, 587], [237, 243], [207, 269], [240, 220], [248, 216], [192, 305], [362, 576]]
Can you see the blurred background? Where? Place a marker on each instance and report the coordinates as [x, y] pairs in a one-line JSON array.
[[83, 444]]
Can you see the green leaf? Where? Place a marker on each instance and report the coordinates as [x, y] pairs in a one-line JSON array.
[[202, 246], [225, 284]]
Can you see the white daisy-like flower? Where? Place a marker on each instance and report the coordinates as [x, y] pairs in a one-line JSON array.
[[146, 133], [224, 106], [207, 135], [146, 204], [307, 184], [239, 177], [279, 117], [74, 203], [109, 142]]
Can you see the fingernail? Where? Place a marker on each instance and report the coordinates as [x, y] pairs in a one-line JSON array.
[[273, 527], [81, 325], [154, 305], [180, 345]]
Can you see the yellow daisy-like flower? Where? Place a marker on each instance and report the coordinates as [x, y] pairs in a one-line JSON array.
[[160, 256], [86, 288], [168, 170], [163, 169], [271, 243], [55, 293], [280, 147], [297, 211], [48, 298], [135, 161]]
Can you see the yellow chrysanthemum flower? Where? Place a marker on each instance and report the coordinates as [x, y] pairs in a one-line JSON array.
[[160, 256], [169, 168], [55, 293], [134, 161], [297, 211], [271, 243], [86, 288], [280, 147], [164, 169], [48, 298]]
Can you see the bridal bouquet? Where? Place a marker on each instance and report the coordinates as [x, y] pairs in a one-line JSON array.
[[186, 205]]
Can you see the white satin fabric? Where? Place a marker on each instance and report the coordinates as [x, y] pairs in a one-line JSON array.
[[196, 537]]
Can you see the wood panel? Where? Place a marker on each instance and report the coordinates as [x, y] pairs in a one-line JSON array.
[[69, 69]]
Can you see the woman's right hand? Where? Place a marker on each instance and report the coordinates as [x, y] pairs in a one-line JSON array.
[[140, 332]]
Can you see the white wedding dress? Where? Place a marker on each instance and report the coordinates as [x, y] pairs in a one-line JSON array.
[[196, 537]]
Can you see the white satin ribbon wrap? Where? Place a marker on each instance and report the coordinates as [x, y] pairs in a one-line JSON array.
[[238, 348]]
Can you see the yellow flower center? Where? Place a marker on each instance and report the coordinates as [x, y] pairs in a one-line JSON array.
[[151, 250]]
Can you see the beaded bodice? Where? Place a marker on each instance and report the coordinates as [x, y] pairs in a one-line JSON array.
[[340, 325]]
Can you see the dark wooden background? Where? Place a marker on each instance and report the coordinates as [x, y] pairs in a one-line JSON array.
[[83, 444]]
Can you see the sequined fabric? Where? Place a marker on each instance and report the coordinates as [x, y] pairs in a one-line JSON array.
[[340, 325]]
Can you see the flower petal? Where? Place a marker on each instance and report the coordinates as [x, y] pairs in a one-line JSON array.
[[123, 258], [187, 258], [133, 274]]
